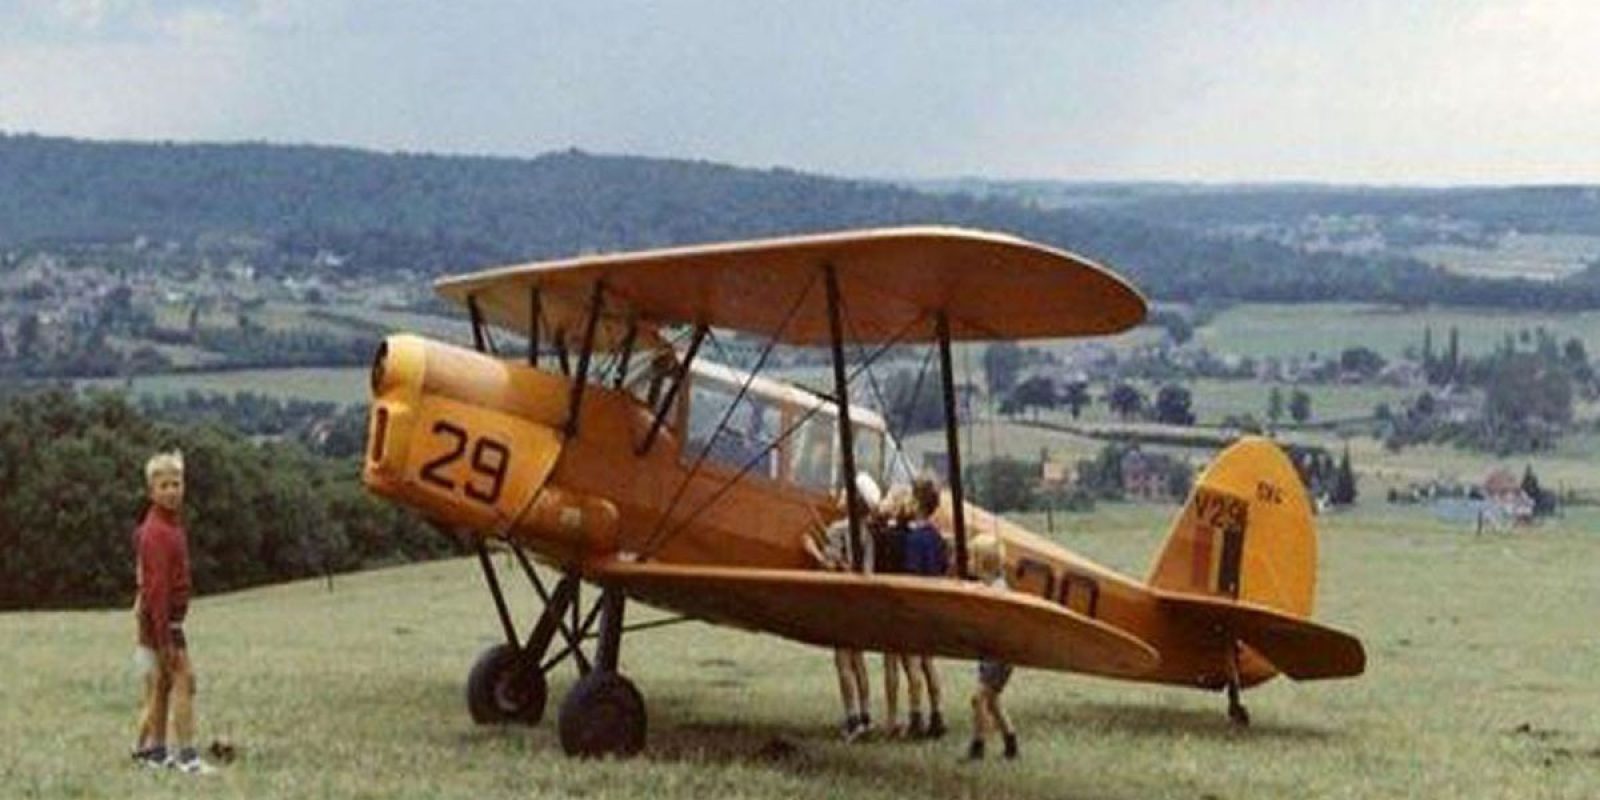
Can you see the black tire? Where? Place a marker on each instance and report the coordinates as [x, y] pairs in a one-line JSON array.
[[501, 688], [603, 715]]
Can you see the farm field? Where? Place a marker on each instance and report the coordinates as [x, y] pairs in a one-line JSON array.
[[326, 384], [1283, 330], [455, 330], [1533, 256], [1479, 685]]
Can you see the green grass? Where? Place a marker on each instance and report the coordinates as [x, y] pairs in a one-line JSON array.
[[1213, 400], [1480, 684]]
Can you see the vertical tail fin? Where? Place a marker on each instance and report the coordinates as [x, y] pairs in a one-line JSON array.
[[1245, 533]]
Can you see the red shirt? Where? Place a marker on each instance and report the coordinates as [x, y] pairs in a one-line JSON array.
[[162, 548]]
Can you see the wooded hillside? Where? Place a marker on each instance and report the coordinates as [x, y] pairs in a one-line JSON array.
[[379, 212]]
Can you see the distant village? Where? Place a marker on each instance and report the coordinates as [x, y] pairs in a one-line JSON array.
[[141, 307]]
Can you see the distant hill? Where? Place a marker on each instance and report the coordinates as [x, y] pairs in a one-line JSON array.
[[1573, 209], [380, 212], [1539, 232]]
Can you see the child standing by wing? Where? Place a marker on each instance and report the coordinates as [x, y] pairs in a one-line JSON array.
[[926, 555], [833, 553], [988, 565]]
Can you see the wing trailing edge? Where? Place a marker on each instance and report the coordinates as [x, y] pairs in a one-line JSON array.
[[894, 613]]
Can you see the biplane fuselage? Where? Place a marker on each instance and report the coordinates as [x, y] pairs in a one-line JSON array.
[[651, 485], [475, 443]]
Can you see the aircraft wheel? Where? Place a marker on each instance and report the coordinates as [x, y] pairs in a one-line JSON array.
[[500, 688], [603, 715]]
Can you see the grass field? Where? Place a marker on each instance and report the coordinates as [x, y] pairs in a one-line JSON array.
[[1480, 684]]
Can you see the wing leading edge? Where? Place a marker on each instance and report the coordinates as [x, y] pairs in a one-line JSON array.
[[891, 613], [892, 282]]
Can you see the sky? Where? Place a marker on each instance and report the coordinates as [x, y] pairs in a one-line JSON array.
[[1431, 92]]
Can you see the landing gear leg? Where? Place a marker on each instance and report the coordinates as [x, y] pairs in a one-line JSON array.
[[507, 682], [1236, 710], [604, 714]]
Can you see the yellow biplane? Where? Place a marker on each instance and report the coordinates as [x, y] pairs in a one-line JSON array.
[[613, 451]]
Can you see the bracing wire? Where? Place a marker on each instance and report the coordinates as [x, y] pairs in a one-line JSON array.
[[653, 543], [727, 414]]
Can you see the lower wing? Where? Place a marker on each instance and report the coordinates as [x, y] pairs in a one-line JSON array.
[[893, 613]]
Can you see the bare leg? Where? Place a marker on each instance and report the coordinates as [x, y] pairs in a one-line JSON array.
[[153, 709], [858, 671], [913, 684], [182, 700], [980, 715], [891, 690], [932, 677], [997, 715], [847, 677]]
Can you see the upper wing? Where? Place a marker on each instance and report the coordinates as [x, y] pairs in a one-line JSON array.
[[894, 613], [891, 283], [1302, 649]]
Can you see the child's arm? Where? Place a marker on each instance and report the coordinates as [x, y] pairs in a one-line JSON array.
[[815, 551]]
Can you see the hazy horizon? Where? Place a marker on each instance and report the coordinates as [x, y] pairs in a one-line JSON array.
[[1428, 95]]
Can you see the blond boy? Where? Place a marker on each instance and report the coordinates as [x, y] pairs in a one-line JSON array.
[[162, 550], [988, 565]]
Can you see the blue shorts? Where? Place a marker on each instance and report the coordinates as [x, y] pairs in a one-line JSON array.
[[993, 675]]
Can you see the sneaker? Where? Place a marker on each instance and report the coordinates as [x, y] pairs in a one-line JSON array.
[[150, 757], [974, 751], [189, 763]]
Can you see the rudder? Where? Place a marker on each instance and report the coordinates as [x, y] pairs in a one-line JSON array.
[[1245, 533]]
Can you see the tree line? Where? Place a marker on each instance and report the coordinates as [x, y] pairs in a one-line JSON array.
[[72, 491]]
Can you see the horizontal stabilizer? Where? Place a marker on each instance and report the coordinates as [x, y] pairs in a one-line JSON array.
[[1300, 648], [894, 613]]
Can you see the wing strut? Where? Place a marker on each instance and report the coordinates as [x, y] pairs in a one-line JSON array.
[[480, 331], [534, 314], [957, 497], [578, 381], [841, 391]]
